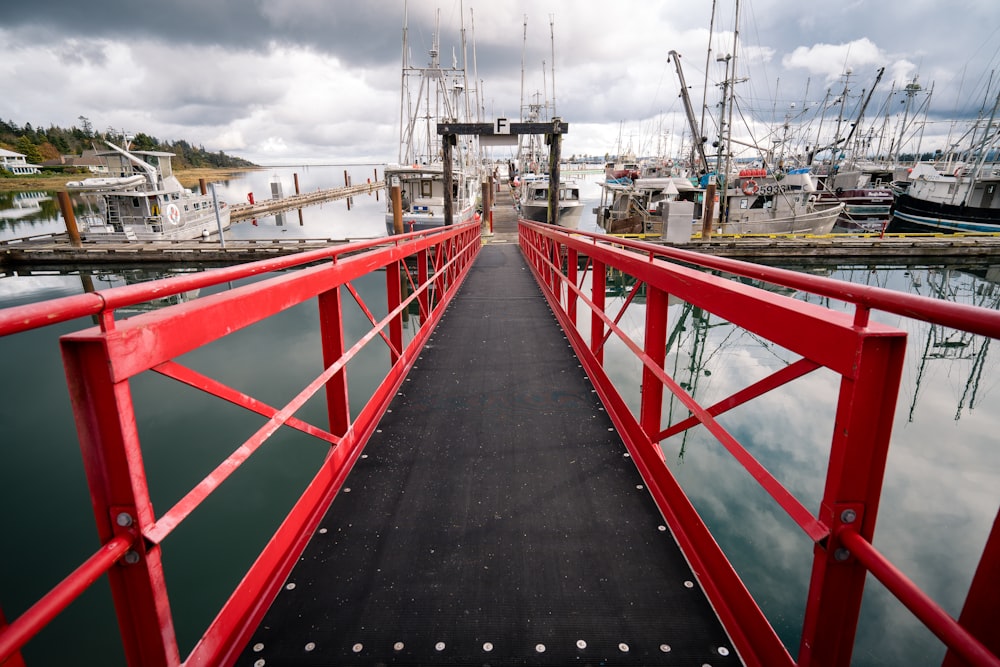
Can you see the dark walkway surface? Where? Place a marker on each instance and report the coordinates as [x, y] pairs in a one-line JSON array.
[[494, 519]]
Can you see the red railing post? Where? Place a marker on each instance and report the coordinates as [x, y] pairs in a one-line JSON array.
[[571, 276], [331, 326], [393, 298], [109, 442], [982, 605], [862, 429], [654, 347], [424, 297], [598, 278]]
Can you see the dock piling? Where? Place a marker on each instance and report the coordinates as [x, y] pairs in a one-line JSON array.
[[67, 211]]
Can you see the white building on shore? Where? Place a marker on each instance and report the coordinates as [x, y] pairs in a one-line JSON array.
[[17, 163]]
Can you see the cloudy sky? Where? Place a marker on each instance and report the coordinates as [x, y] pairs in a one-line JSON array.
[[314, 81]]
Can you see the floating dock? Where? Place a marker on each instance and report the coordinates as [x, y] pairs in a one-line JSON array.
[[56, 249]]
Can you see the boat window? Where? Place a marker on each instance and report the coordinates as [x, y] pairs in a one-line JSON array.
[[425, 188], [541, 194], [761, 201]]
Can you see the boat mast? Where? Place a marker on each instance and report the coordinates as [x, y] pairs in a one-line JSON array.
[[696, 137], [552, 43], [403, 98]]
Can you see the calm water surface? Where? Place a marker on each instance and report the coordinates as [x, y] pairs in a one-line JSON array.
[[939, 501]]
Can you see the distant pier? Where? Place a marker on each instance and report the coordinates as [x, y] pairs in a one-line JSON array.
[[271, 206]]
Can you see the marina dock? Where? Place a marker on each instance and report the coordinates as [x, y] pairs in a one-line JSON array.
[[56, 249]]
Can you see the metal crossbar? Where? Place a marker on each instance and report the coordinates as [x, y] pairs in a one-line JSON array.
[[867, 356], [100, 361]]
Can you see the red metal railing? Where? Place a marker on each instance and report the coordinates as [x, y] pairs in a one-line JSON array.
[[427, 267], [867, 356]]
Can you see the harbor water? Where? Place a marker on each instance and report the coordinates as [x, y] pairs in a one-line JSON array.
[[939, 501]]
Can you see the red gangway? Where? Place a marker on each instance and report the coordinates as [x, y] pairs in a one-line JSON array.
[[431, 266]]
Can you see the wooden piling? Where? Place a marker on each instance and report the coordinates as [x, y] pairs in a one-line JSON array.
[[397, 209], [70, 218], [295, 177], [447, 141], [709, 208], [203, 186]]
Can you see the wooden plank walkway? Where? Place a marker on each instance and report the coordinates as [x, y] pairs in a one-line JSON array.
[[495, 517]]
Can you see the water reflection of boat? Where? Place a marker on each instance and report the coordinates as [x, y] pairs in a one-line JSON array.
[[143, 200], [966, 351]]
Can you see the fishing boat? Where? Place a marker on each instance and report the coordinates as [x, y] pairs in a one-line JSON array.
[[532, 189], [754, 200], [432, 94], [639, 207], [963, 200], [533, 200], [142, 200]]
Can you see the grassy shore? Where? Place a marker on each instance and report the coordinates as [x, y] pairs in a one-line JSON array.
[[189, 178]]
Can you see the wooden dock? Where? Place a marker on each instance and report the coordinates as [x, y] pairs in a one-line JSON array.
[[56, 249], [271, 206]]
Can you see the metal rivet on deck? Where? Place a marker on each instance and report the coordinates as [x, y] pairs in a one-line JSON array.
[[661, 528], [347, 489], [665, 648], [723, 651], [310, 646], [488, 646], [611, 429], [580, 644], [623, 647], [290, 587], [540, 648], [378, 430], [357, 647], [639, 486], [398, 646], [439, 646], [259, 663], [258, 647], [688, 584], [364, 456], [322, 530], [627, 455]]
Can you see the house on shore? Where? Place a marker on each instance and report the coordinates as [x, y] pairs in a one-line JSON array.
[[17, 163], [88, 161]]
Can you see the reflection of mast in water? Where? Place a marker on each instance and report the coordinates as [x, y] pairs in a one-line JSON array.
[[701, 321], [944, 343]]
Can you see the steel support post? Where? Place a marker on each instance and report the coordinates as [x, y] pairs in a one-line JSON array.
[[109, 442], [598, 278], [393, 299], [655, 348], [862, 429], [331, 323]]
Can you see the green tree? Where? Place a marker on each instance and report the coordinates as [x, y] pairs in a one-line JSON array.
[[29, 149]]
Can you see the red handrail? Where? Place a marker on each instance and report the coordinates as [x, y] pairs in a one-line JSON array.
[[867, 355], [99, 362]]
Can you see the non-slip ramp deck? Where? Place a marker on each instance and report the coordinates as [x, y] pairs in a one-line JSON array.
[[495, 518]]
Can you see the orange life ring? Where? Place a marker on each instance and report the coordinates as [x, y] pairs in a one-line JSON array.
[[750, 187]]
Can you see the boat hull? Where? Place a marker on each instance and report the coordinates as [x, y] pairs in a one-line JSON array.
[[912, 214]]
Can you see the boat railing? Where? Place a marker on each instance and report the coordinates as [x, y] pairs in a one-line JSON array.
[[423, 271], [571, 268]]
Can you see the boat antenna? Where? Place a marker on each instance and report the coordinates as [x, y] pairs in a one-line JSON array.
[[524, 44], [708, 62]]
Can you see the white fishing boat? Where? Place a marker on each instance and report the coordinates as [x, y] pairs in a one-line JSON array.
[[143, 201], [533, 187], [756, 200], [430, 95], [534, 200]]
